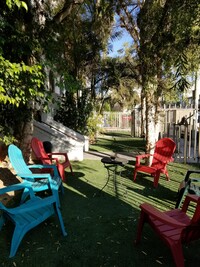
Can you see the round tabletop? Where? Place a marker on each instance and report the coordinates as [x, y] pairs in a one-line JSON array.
[[113, 160]]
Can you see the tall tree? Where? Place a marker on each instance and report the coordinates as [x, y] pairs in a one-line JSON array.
[[21, 78], [82, 40], [167, 35], [163, 34]]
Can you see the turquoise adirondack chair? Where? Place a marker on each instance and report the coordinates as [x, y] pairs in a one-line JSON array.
[[29, 214], [38, 181], [190, 185]]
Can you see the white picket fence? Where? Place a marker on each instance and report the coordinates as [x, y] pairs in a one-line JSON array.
[[187, 142], [186, 136], [117, 120], [185, 132]]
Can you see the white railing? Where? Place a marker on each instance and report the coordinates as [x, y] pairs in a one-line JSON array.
[[117, 120]]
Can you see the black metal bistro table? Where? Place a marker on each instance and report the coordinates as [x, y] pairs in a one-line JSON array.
[[112, 164]]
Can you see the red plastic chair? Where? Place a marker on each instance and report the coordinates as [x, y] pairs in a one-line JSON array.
[[174, 227], [164, 150], [50, 158]]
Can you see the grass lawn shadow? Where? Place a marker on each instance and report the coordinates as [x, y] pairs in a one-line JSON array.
[[102, 227]]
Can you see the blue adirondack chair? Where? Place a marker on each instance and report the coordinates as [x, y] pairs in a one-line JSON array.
[[29, 214], [38, 181], [190, 185]]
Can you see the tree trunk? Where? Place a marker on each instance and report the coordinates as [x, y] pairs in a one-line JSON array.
[[151, 120], [25, 143], [143, 134]]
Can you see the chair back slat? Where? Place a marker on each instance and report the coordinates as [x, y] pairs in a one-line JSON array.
[[39, 151], [163, 153], [17, 160]]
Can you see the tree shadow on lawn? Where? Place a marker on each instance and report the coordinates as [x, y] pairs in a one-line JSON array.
[[100, 226], [165, 194], [117, 134], [134, 147], [110, 223], [101, 231]]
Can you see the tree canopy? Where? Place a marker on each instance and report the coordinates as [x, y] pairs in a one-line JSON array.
[[63, 44]]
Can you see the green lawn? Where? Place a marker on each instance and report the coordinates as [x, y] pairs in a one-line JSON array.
[[114, 141], [101, 227]]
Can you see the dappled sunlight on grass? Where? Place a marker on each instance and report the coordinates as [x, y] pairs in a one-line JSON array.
[[102, 225], [122, 143], [118, 211]]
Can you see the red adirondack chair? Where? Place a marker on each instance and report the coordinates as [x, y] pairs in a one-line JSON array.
[[164, 150], [51, 158], [174, 227]]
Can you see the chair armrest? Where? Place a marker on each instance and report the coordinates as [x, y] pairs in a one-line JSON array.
[[143, 156], [37, 166], [32, 204], [193, 198], [189, 198], [50, 158], [45, 166], [160, 216], [16, 187], [44, 158], [33, 176], [140, 157], [162, 160], [58, 154], [189, 172]]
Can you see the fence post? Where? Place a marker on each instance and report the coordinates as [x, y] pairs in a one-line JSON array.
[[199, 144], [185, 144], [133, 123]]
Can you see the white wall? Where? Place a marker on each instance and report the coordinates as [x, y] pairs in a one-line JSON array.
[[62, 138]]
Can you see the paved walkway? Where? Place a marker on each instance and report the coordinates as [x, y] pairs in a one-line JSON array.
[[94, 155]]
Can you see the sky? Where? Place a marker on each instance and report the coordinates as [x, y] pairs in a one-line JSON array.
[[118, 43]]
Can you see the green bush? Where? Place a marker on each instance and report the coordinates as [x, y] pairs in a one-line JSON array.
[[94, 125]]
